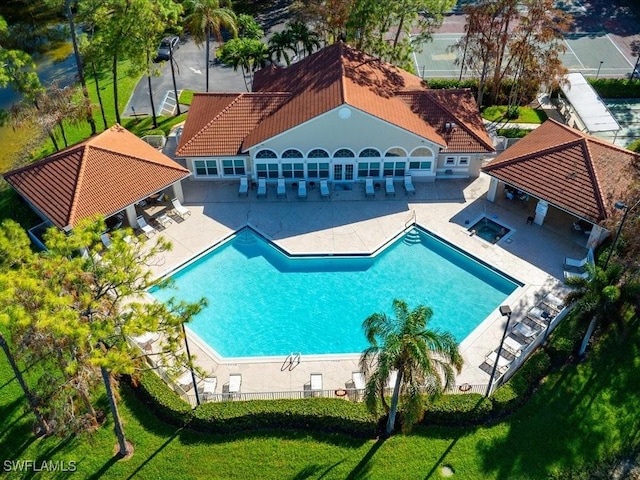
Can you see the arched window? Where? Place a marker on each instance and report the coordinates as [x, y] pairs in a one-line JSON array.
[[416, 163], [343, 153], [266, 154], [422, 152], [395, 152], [369, 152], [291, 153], [318, 153]]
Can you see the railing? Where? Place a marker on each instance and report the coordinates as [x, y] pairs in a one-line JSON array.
[[411, 222]]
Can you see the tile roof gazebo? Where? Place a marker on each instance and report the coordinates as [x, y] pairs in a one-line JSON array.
[[104, 175], [575, 172]]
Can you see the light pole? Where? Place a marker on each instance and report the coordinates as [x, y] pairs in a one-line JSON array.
[[620, 206], [599, 67], [505, 311], [193, 374]]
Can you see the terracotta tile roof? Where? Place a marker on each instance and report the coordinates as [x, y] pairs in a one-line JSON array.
[[333, 76], [101, 175], [579, 173]]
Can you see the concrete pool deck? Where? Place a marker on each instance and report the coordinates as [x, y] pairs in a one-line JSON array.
[[348, 222]]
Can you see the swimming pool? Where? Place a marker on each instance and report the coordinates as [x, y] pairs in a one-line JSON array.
[[264, 303]]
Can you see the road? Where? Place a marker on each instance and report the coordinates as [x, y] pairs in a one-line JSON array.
[[190, 75]]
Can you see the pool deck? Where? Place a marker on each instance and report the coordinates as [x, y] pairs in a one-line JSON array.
[[348, 222]]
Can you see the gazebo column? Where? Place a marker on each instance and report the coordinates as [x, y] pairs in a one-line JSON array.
[[541, 212], [596, 237], [176, 188], [493, 189], [130, 212]]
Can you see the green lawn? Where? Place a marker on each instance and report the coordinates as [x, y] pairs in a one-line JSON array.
[[526, 114], [581, 416]]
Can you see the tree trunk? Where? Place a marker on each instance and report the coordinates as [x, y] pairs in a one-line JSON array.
[[395, 40], [81, 79], [587, 336], [42, 425], [153, 107], [206, 66], [95, 80], [173, 77], [62, 132], [114, 73], [53, 140], [123, 450], [391, 420]]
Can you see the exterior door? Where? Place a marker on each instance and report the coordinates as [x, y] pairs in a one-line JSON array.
[[343, 172]]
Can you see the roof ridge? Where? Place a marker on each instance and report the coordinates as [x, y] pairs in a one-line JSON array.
[[177, 166], [76, 186], [343, 76], [592, 138], [528, 156], [593, 172]]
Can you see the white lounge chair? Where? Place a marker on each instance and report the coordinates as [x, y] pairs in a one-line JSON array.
[[316, 382], [512, 346], [179, 209], [525, 330], [389, 188], [262, 187], [539, 315], [574, 263], [368, 188], [553, 302], [503, 363], [568, 274], [106, 240], [209, 387], [147, 229], [281, 192], [185, 381], [391, 381], [302, 189], [408, 185], [235, 381], [244, 187], [358, 380], [324, 189]]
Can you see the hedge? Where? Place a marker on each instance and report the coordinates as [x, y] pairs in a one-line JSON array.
[[616, 87], [458, 410], [166, 403]]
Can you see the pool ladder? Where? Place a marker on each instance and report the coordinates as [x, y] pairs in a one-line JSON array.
[[291, 362], [412, 237]]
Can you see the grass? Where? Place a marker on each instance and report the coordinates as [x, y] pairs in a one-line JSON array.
[[526, 114], [581, 416]]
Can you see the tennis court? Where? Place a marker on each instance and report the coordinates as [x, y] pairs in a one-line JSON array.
[[591, 54]]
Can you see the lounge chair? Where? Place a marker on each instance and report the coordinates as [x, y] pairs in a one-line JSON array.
[[553, 302], [391, 381], [281, 192], [503, 363], [262, 187], [209, 387], [568, 274], [358, 380], [389, 189], [179, 210], [539, 315], [408, 185], [106, 240], [147, 229], [368, 188], [302, 189], [235, 381], [185, 380], [525, 330], [573, 263], [316, 382], [244, 187], [512, 346], [324, 189]]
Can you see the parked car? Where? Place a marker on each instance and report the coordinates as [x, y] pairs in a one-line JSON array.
[[167, 43]]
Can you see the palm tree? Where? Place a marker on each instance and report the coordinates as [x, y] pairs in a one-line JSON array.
[[209, 17], [279, 43], [307, 39], [606, 296], [423, 359], [248, 54]]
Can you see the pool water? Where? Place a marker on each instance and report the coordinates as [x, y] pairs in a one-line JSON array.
[[264, 303], [489, 230]]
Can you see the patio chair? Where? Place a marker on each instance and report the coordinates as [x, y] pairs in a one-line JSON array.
[[324, 189], [503, 363], [512, 346], [316, 382], [389, 189], [244, 186], [539, 315], [525, 330], [369, 191], [179, 210], [569, 274], [302, 189], [106, 240], [209, 387], [147, 229], [185, 380], [553, 302], [235, 381], [408, 185], [262, 187], [391, 381], [281, 192], [358, 380], [574, 263]]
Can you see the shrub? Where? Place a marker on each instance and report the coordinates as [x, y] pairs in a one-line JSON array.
[[634, 146], [439, 83], [458, 409], [504, 400], [530, 374], [512, 132], [316, 414], [166, 403], [615, 87]]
